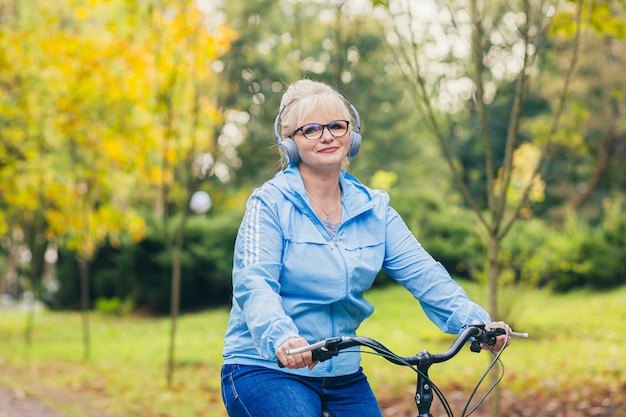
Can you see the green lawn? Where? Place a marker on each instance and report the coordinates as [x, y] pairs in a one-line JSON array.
[[575, 340]]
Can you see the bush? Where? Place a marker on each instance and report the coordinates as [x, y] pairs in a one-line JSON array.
[[114, 306], [140, 274], [447, 231], [576, 256], [601, 256]]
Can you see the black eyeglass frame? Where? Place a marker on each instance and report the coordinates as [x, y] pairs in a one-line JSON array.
[[323, 126]]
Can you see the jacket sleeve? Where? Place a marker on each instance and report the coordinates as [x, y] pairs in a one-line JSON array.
[[444, 301], [256, 272]]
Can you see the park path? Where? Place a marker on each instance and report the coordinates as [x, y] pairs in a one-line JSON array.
[[16, 403]]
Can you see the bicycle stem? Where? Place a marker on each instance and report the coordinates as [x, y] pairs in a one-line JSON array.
[[424, 392]]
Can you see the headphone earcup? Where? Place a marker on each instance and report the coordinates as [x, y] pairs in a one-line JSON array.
[[355, 144], [289, 150]]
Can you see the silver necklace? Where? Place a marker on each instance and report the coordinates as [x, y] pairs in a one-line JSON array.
[[327, 213]]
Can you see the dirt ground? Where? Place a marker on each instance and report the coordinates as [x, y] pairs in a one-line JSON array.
[[16, 403], [603, 402], [585, 401], [24, 396]]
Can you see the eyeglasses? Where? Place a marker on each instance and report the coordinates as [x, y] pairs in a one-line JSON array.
[[314, 131]]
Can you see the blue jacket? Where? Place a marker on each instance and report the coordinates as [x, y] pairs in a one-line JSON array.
[[291, 278]]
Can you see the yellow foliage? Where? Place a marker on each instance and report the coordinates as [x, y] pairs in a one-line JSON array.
[[3, 224], [56, 225], [81, 13], [137, 228], [224, 37], [114, 149], [384, 180], [155, 175], [526, 158], [86, 82], [525, 161], [597, 16], [171, 155]]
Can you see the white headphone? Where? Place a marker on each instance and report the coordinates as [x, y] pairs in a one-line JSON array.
[[290, 150]]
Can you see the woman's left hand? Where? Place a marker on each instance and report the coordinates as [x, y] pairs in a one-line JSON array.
[[501, 339]]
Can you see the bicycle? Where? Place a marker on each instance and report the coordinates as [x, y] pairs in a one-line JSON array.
[[477, 334]]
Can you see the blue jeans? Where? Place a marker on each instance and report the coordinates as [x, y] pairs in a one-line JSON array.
[[255, 391]]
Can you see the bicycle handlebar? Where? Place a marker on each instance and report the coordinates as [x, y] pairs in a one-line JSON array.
[[330, 347], [476, 333]]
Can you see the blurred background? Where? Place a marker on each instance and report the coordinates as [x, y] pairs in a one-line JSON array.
[[491, 125], [132, 133]]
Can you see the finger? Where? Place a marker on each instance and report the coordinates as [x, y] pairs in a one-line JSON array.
[[300, 361], [282, 358], [293, 362]]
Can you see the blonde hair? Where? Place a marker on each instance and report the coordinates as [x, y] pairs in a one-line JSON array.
[[304, 96]]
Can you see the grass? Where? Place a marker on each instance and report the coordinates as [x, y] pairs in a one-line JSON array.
[[575, 339]]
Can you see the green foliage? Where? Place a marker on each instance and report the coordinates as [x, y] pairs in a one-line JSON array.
[[447, 231], [114, 306], [140, 273], [578, 255], [536, 254], [450, 235]]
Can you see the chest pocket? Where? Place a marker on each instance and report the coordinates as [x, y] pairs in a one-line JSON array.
[[311, 264], [363, 245]]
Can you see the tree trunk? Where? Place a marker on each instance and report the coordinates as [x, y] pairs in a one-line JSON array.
[[30, 321], [174, 306], [175, 296], [493, 273], [84, 303], [8, 279], [38, 246]]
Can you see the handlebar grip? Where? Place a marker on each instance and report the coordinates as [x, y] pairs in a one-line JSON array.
[[319, 354]]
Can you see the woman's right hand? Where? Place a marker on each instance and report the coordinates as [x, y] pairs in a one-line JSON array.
[[298, 360]]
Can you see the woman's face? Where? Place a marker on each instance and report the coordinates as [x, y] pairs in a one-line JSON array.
[[330, 149]]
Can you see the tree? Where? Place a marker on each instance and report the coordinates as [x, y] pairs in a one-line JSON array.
[[186, 117], [597, 109], [456, 66], [90, 96], [453, 84], [72, 133]]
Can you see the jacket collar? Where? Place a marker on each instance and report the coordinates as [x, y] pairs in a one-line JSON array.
[[356, 199]]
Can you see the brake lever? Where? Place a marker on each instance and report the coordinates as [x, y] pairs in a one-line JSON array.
[[489, 337], [329, 350]]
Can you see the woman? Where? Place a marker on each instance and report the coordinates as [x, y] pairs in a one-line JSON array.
[[311, 243]]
